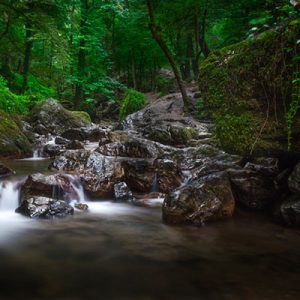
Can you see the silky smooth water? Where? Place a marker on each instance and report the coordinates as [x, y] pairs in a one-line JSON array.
[[119, 251]]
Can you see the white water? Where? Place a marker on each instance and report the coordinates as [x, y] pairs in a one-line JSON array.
[[9, 196]]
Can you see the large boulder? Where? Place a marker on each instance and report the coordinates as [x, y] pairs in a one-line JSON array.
[[254, 185], [42, 207], [133, 147], [99, 173], [208, 198], [13, 142], [54, 118], [165, 121]]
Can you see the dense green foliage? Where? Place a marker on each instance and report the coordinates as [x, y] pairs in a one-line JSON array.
[[88, 53], [132, 102]]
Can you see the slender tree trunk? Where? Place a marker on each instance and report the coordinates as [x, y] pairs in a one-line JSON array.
[[197, 46], [81, 62], [189, 56], [133, 71], [157, 35], [27, 54], [202, 40]]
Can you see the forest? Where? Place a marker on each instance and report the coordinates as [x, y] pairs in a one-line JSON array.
[[149, 149]]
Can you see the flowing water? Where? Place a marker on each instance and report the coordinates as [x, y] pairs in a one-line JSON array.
[[119, 251]]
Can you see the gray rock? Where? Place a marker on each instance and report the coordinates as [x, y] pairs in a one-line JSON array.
[[122, 192], [294, 180], [290, 211], [5, 171], [42, 207], [208, 198]]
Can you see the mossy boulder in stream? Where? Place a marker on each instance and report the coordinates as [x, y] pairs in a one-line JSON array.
[[52, 117], [247, 89], [13, 143]]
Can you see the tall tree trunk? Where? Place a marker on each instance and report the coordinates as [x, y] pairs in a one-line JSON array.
[[81, 62], [133, 71], [189, 56], [202, 40], [158, 36], [27, 54], [197, 46]]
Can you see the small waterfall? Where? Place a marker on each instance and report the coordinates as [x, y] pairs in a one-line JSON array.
[[9, 195], [78, 188], [154, 187]]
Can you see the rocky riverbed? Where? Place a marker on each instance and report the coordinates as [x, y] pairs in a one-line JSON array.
[[156, 152]]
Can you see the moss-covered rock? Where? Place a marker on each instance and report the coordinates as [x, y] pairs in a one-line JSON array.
[[13, 143], [55, 118], [247, 89]]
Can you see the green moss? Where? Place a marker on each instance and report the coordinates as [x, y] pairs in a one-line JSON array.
[[12, 141], [84, 116], [183, 135], [243, 83]]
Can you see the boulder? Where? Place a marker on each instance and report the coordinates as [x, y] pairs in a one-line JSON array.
[[290, 211], [13, 142], [168, 175], [294, 180], [133, 147], [59, 186], [5, 171], [42, 207], [99, 173], [139, 174], [164, 121], [54, 118], [208, 198], [61, 141], [52, 150], [79, 134], [75, 145], [122, 192], [252, 189]]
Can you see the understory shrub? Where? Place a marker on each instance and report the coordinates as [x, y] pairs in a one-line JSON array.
[[132, 102]]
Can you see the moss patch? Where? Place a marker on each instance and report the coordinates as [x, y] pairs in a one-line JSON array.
[[84, 116], [246, 88], [13, 143]]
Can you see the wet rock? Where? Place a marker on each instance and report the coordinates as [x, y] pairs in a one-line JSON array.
[[294, 180], [168, 175], [118, 136], [252, 189], [40, 129], [133, 147], [42, 207], [79, 134], [139, 174], [55, 118], [82, 206], [59, 186], [208, 198], [99, 172], [75, 145], [290, 211], [52, 150], [122, 192], [164, 121], [5, 171], [149, 202], [61, 141]]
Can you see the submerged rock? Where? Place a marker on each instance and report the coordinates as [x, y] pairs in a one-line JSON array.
[[208, 198], [43, 207], [122, 192]]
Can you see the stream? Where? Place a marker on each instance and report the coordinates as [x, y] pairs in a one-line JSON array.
[[121, 251]]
